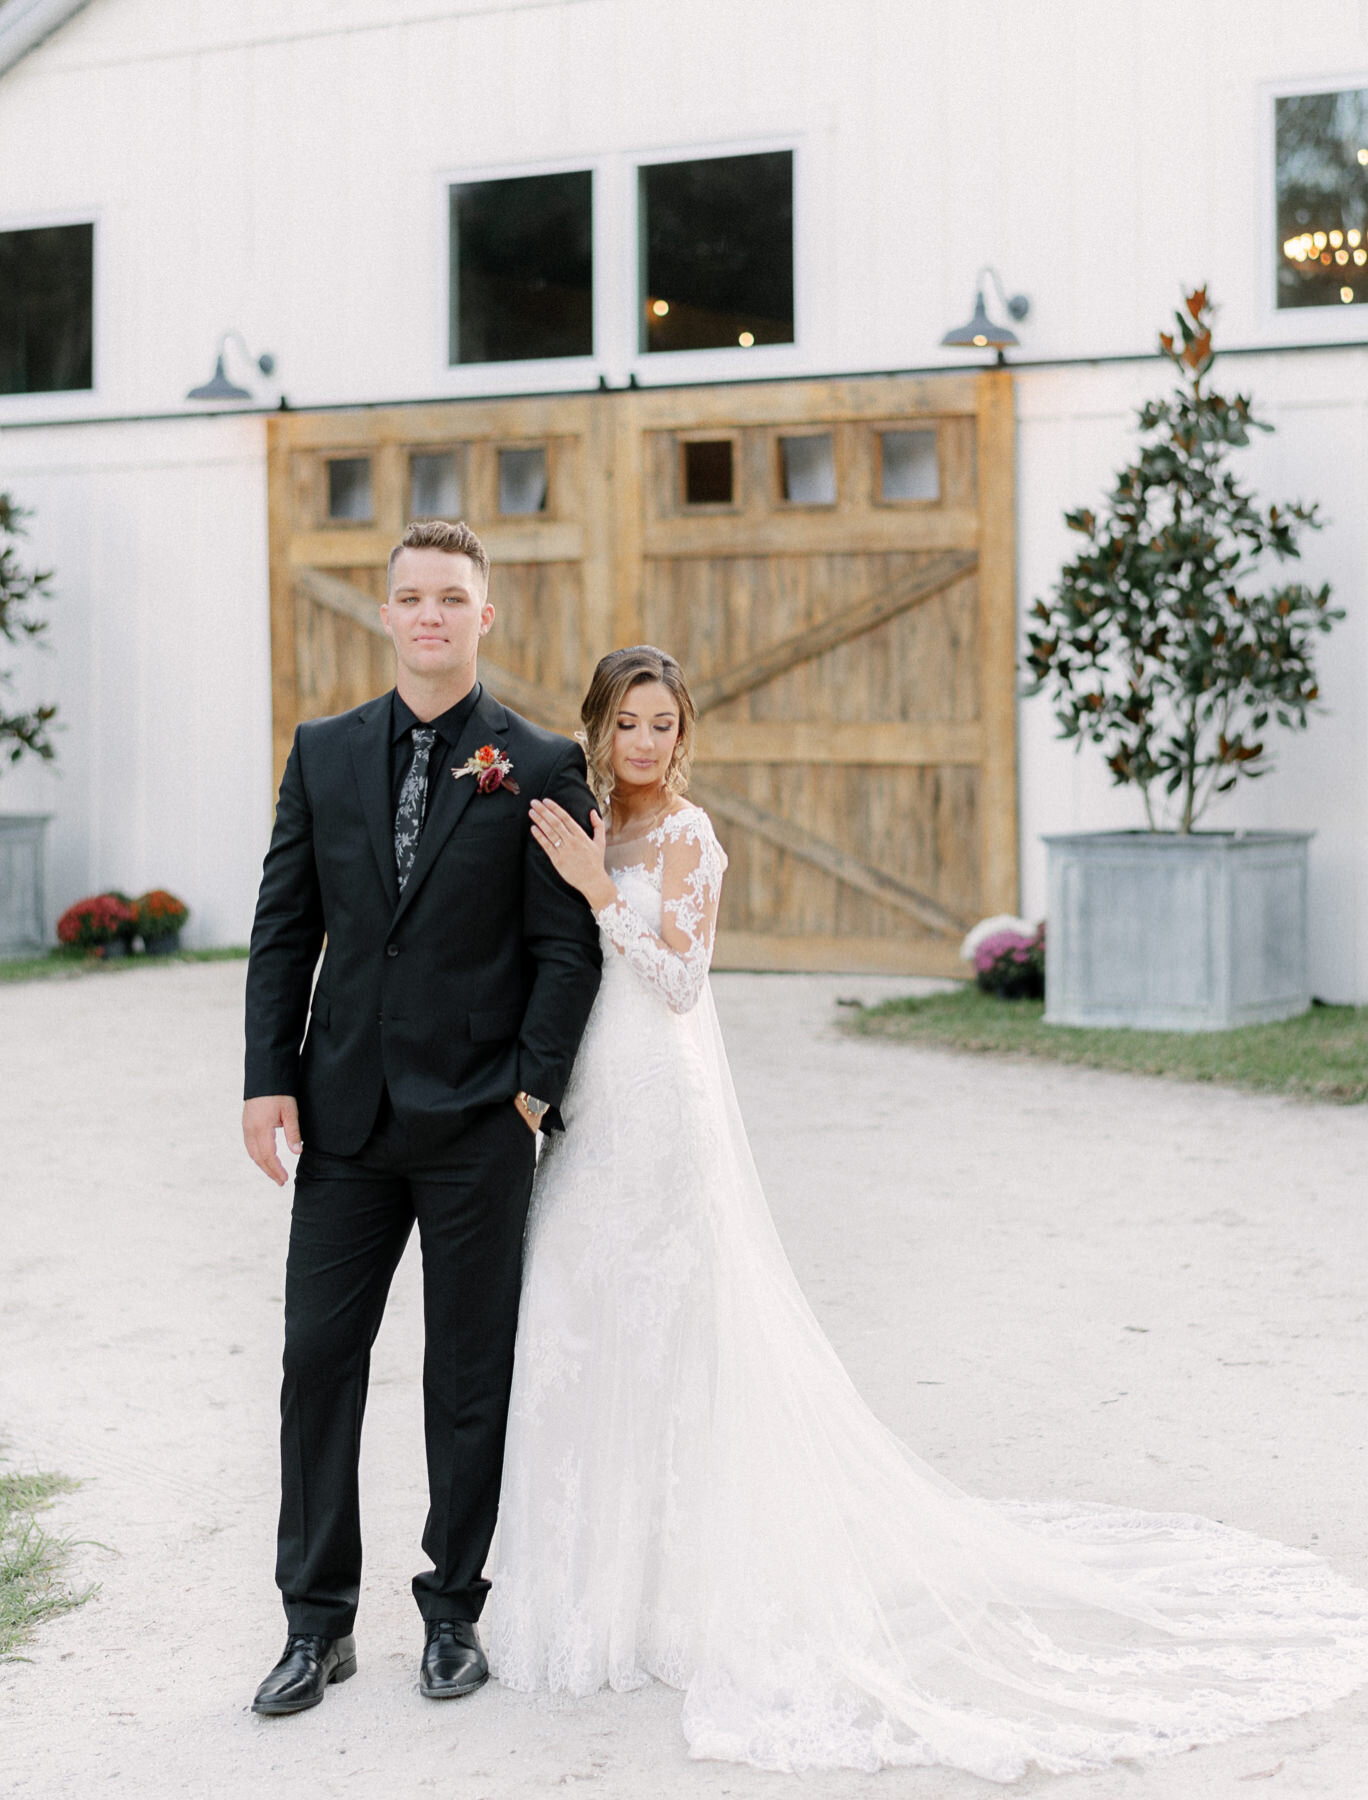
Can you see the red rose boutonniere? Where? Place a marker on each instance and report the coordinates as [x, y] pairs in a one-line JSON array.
[[491, 769]]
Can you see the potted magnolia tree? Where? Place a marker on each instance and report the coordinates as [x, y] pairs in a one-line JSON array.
[[24, 733], [1166, 644]]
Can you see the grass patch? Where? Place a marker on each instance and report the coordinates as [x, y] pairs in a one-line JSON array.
[[63, 964], [31, 1559], [1323, 1055]]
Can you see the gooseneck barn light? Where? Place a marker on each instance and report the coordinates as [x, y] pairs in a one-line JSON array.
[[981, 333], [218, 386]]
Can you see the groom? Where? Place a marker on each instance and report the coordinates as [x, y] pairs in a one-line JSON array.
[[457, 977]]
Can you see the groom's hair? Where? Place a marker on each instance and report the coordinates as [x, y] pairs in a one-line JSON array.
[[441, 534]]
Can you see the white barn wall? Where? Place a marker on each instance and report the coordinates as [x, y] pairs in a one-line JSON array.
[[160, 659], [280, 166]]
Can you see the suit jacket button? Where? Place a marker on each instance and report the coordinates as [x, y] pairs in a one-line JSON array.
[[391, 949]]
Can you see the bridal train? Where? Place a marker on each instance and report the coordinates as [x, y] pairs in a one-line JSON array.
[[695, 1493]]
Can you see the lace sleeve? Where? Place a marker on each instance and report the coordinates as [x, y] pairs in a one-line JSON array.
[[676, 963]]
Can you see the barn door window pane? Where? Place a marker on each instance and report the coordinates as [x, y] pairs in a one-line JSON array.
[[47, 297], [522, 480], [717, 252], [708, 471], [522, 268], [1321, 162], [349, 488], [807, 470], [434, 485], [908, 466]]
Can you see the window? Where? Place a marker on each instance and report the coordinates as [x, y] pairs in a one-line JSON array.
[[707, 466], [434, 485], [46, 309], [909, 468], [523, 480], [349, 489], [1321, 162], [717, 252], [807, 470], [522, 268]]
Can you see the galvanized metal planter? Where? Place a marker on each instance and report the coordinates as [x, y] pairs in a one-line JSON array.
[[1163, 932], [21, 882]]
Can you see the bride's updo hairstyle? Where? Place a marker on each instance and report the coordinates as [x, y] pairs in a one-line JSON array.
[[614, 678]]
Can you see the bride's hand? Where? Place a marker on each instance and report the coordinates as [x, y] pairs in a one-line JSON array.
[[576, 857]]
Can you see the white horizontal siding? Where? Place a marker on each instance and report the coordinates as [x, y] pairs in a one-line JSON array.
[[280, 167], [159, 659]]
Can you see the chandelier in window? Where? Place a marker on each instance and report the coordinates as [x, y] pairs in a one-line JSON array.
[[1342, 251], [1328, 248]]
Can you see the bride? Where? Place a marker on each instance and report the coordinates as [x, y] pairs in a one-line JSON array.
[[693, 1490]]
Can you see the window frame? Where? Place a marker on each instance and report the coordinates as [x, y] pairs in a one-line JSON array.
[[878, 430], [778, 435], [334, 453], [583, 165], [1296, 324], [708, 434], [539, 374], [617, 355], [459, 450], [545, 442], [733, 363], [58, 404]]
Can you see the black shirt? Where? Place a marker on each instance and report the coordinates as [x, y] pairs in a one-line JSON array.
[[448, 726]]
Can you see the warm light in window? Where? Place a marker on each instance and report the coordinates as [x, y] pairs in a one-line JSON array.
[[660, 308], [746, 339], [1320, 163]]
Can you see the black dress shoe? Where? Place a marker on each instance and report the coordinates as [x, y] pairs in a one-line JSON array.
[[453, 1662], [304, 1671]]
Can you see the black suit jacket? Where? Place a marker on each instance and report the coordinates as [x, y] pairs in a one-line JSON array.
[[473, 984]]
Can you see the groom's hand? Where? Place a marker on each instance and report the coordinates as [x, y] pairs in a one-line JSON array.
[[532, 1124], [261, 1119]]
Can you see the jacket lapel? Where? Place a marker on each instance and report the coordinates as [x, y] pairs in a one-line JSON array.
[[370, 754], [488, 723]]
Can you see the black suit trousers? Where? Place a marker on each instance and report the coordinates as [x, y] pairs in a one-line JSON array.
[[352, 1217]]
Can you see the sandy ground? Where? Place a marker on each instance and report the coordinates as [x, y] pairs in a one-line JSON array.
[[1049, 1280]]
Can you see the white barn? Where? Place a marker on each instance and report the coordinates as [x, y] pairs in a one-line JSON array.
[[293, 172]]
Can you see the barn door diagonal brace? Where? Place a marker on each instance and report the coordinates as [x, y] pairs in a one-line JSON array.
[[837, 628], [355, 604], [341, 597], [784, 834]]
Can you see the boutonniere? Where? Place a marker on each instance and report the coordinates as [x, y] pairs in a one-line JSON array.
[[491, 769]]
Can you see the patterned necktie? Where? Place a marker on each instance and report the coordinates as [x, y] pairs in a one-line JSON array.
[[408, 818]]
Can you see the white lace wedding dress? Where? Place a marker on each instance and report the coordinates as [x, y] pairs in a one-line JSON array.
[[695, 1492]]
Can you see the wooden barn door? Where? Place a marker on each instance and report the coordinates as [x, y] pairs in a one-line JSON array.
[[832, 562], [527, 474], [847, 618]]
